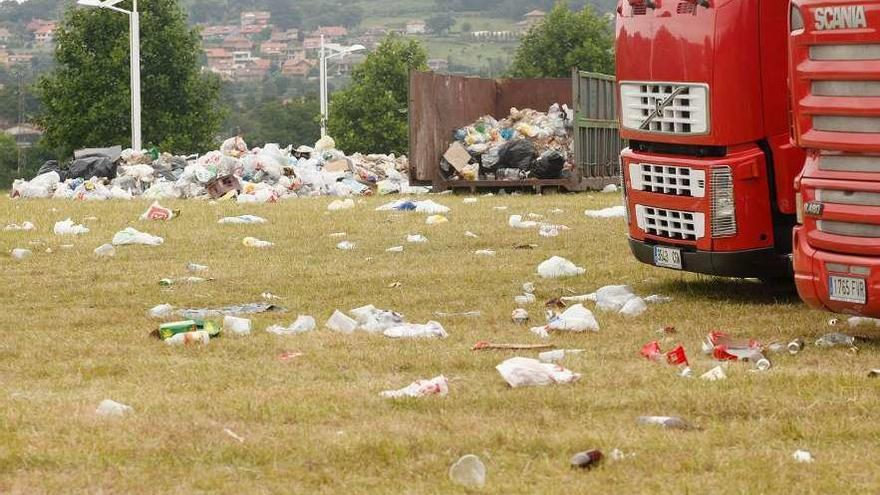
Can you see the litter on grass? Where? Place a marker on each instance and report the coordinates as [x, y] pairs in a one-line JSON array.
[[527, 372], [422, 388]]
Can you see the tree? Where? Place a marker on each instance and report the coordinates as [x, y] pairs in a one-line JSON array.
[[466, 27], [8, 159], [440, 23], [295, 122], [370, 115], [86, 99], [565, 40]]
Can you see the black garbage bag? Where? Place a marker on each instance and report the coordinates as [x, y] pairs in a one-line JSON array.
[[52, 166], [549, 165], [92, 166], [519, 153]]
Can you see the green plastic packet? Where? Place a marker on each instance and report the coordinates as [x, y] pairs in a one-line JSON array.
[[169, 330]]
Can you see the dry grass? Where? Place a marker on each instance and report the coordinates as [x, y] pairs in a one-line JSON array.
[[75, 332]]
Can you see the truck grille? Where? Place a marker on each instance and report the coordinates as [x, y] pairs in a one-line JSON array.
[[848, 229], [845, 52], [846, 88], [849, 163], [672, 224], [686, 111], [836, 123], [855, 198], [665, 179]]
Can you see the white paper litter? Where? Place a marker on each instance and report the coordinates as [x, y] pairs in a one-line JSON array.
[[610, 188], [802, 456], [20, 254], [416, 239], [713, 375]]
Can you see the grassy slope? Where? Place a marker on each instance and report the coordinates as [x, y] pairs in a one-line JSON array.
[[75, 333]]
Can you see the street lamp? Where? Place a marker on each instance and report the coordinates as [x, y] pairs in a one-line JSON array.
[[339, 52], [135, 54]]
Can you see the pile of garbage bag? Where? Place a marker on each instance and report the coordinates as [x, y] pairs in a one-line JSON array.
[[257, 175], [526, 144]]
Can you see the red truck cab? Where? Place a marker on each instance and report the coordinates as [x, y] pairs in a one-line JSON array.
[[835, 92], [709, 171]]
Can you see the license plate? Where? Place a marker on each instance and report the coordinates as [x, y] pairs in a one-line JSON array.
[[667, 257], [848, 289]]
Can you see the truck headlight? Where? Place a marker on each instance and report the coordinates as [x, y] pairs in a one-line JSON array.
[[723, 206], [796, 20]]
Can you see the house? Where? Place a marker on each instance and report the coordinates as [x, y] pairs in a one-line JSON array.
[[331, 32], [312, 45], [438, 64], [5, 35], [259, 18], [251, 30], [273, 49], [218, 55], [20, 59], [217, 33], [237, 43], [45, 34], [297, 67], [416, 27], [36, 24], [25, 135], [535, 17], [242, 59], [255, 71], [224, 68], [286, 37]]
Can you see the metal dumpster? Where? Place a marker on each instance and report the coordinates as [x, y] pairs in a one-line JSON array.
[[440, 104]]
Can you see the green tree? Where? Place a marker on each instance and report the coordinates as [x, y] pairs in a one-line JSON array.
[[440, 23], [8, 160], [294, 122], [86, 99], [565, 40], [370, 115]]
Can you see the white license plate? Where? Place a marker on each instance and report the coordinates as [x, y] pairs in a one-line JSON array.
[[848, 289], [667, 257]]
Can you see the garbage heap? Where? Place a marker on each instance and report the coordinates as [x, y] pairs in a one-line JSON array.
[[257, 175], [525, 144]]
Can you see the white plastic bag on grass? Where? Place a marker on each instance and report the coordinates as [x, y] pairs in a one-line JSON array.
[[422, 388], [527, 372], [303, 324], [432, 329], [517, 222], [613, 297], [340, 322], [130, 236], [634, 307], [241, 220], [577, 318], [558, 267], [67, 227], [340, 204], [111, 408], [613, 212]]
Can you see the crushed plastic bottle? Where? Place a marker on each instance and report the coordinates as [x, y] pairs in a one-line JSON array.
[[836, 339], [469, 472]]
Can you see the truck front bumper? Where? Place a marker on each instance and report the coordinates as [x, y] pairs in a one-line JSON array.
[[763, 263]]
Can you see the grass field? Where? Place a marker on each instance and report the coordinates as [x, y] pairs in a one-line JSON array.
[[75, 332]]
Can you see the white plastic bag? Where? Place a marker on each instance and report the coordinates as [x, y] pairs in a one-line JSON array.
[[67, 227], [237, 326], [131, 236], [161, 311], [634, 307], [303, 324], [517, 222], [253, 242], [111, 408], [436, 386], [526, 372], [613, 212], [241, 220], [558, 267], [340, 204], [432, 329], [416, 239], [576, 318], [613, 297]]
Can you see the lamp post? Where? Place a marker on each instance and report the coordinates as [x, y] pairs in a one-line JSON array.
[[135, 62], [335, 52]]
